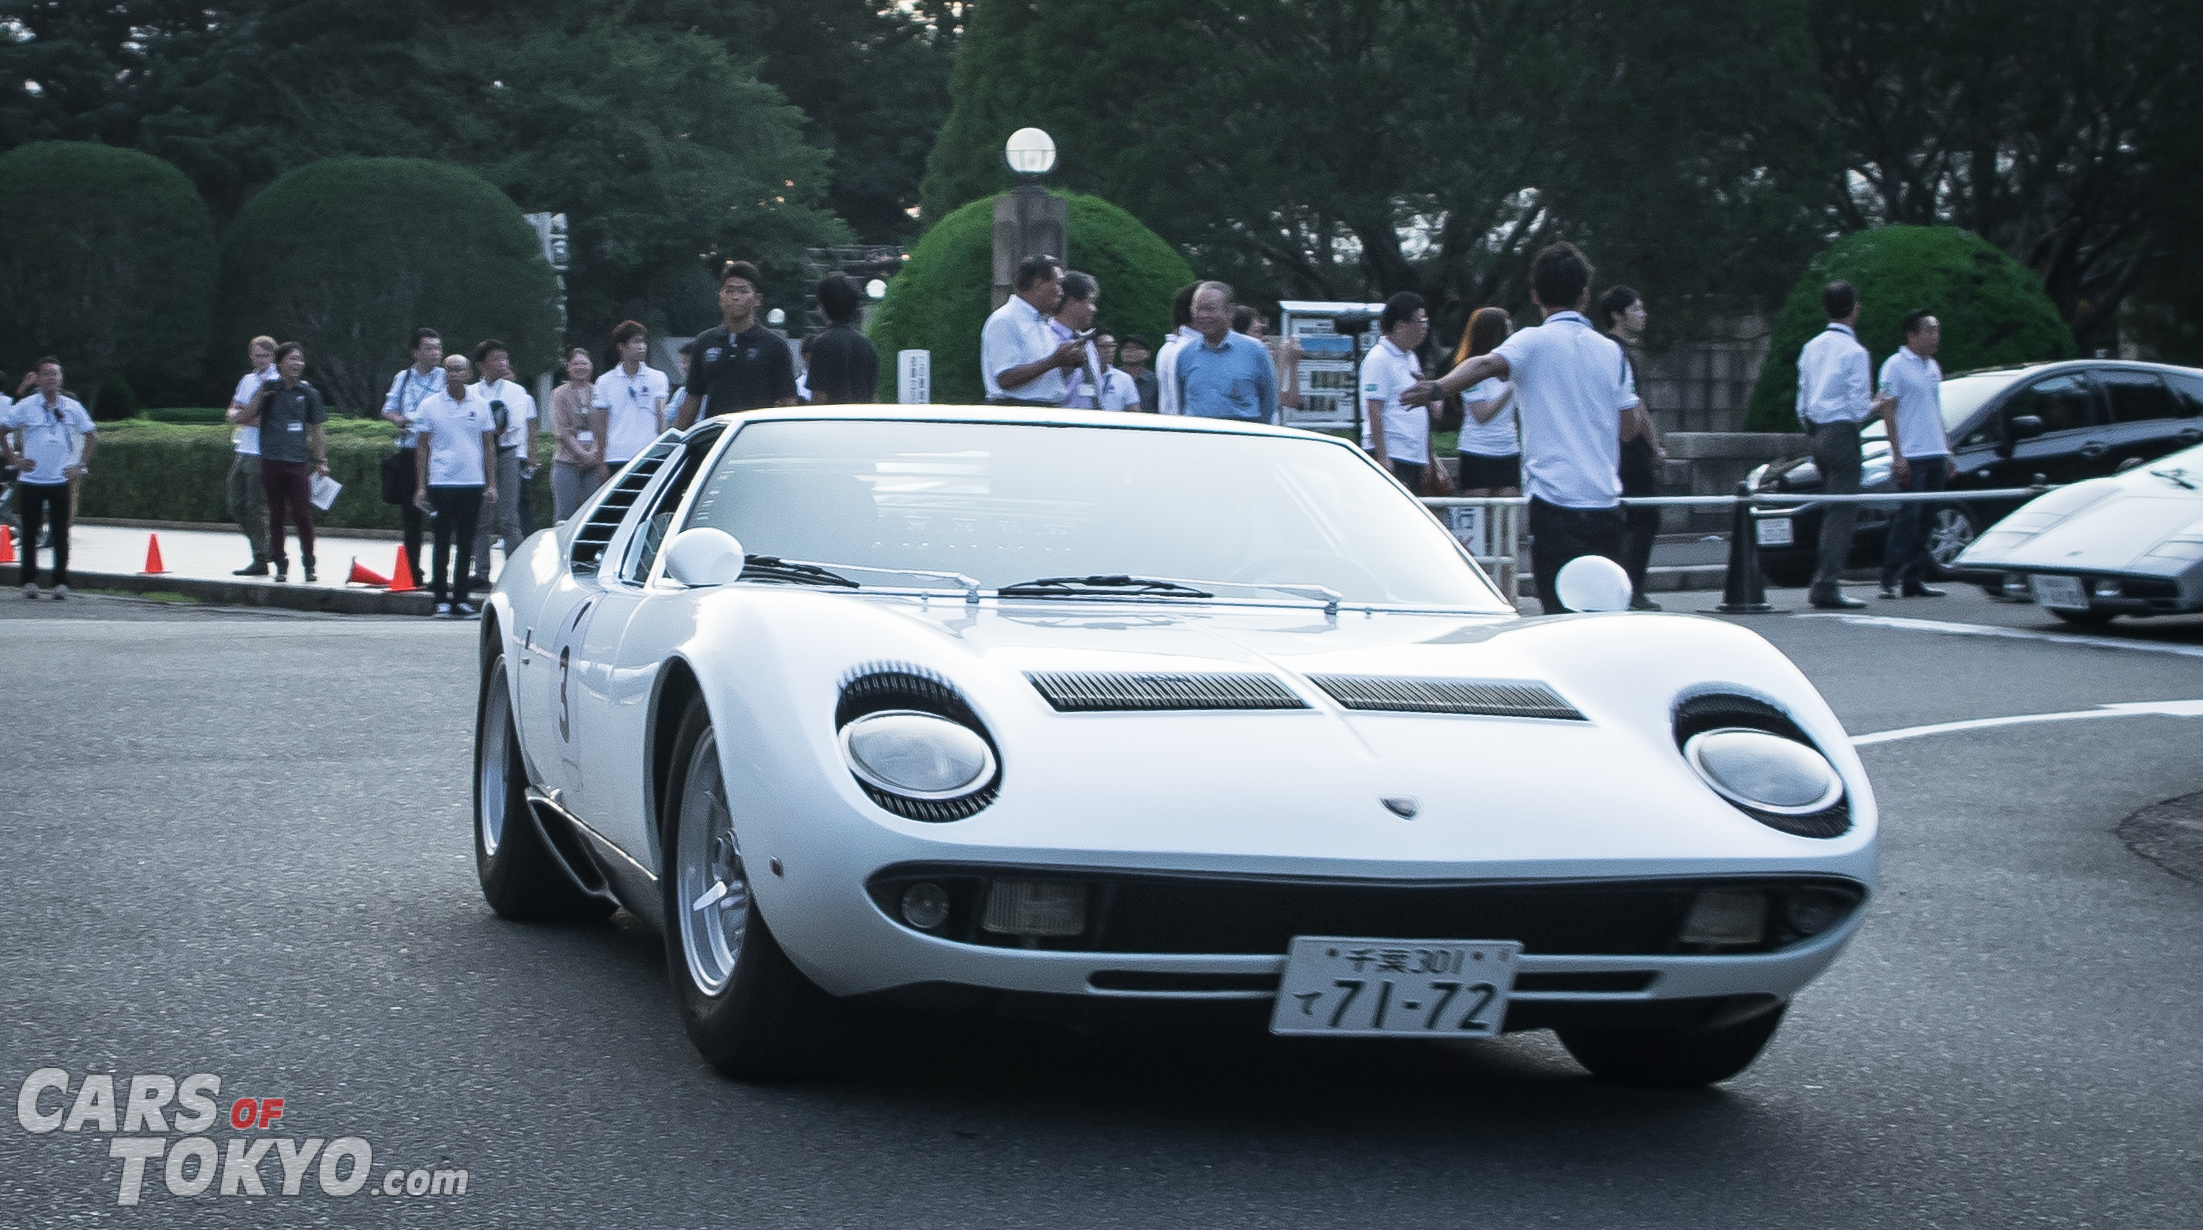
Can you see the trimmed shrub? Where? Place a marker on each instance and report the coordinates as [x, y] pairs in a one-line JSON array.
[[940, 299], [153, 471], [1992, 308], [350, 255], [107, 260]]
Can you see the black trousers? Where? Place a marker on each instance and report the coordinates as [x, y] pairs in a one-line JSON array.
[[1640, 477], [410, 518], [1559, 534], [1906, 561], [35, 501], [1836, 456], [458, 512]]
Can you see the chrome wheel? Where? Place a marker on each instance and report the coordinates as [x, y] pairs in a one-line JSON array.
[[493, 752], [1948, 533], [711, 893]]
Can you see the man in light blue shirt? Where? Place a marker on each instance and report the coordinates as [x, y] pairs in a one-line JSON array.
[[1221, 374], [1835, 396]]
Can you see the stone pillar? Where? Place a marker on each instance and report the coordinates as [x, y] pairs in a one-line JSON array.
[[1027, 221]]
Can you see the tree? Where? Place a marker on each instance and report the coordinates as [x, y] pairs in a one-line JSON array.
[[349, 255], [942, 296], [107, 260], [1992, 308]]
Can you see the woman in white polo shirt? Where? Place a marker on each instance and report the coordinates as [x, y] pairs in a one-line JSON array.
[[1491, 440]]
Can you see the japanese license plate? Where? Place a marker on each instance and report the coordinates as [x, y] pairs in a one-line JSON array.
[[2064, 592], [1775, 532], [1353, 988]]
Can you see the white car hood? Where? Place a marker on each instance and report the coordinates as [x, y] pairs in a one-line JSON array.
[[2143, 521]]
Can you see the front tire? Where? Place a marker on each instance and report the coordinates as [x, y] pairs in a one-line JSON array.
[[521, 878], [750, 1012], [1672, 1059]]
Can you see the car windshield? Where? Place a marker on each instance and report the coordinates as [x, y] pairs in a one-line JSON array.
[[1962, 395], [1007, 503]]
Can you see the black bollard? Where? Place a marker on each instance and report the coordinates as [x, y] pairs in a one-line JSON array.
[[1742, 591]]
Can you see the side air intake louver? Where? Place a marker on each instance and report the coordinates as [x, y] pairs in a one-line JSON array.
[[1480, 697], [1127, 691], [596, 532]]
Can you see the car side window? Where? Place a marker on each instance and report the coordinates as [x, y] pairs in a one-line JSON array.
[[2063, 403], [2137, 397], [2187, 392], [657, 523]]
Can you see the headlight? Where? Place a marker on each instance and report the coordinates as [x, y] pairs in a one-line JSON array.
[[917, 755], [1764, 771]]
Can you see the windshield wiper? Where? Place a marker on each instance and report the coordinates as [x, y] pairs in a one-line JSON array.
[[1049, 587], [793, 570], [2175, 475]]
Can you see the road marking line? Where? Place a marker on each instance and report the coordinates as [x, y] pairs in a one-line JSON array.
[[2147, 708], [2017, 634]]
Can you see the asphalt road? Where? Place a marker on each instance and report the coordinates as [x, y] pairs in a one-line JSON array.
[[238, 845]]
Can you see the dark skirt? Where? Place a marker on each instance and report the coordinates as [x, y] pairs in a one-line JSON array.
[[1479, 472]]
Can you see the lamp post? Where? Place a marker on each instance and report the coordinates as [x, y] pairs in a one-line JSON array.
[[1028, 220]]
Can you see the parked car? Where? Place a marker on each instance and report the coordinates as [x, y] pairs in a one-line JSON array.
[[2127, 545], [962, 705], [2011, 427]]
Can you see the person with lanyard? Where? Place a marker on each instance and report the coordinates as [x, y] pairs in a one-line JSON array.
[[247, 502], [1118, 392], [407, 389], [512, 410], [741, 364], [1835, 397], [1074, 322], [1490, 443], [1020, 361], [1571, 387], [1919, 451], [289, 413], [632, 396], [577, 464], [458, 472], [1623, 310], [1397, 432], [50, 422], [1221, 374]]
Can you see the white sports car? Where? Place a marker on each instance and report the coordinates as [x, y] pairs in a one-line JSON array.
[[1105, 709], [2131, 544]]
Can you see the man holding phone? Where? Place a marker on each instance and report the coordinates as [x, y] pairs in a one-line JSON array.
[[1074, 322]]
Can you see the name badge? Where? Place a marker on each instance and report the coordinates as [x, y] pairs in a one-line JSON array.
[[296, 427], [1087, 389], [586, 437]]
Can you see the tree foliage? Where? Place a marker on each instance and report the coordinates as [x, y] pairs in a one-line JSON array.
[[942, 296], [349, 255], [1992, 309], [107, 260]]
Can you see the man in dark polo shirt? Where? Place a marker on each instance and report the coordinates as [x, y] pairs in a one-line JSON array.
[[845, 369], [741, 365]]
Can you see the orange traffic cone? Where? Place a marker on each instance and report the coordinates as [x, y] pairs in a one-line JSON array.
[[401, 576], [153, 567], [361, 576], [7, 544]]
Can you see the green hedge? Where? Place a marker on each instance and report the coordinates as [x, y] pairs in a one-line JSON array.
[[1992, 308], [153, 471]]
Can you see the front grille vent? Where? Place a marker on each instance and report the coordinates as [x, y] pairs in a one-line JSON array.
[[1479, 697], [604, 520], [1126, 691]]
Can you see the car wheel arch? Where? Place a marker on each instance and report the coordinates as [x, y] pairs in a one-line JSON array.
[[676, 687]]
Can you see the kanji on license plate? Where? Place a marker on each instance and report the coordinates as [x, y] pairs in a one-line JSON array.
[[1365, 988]]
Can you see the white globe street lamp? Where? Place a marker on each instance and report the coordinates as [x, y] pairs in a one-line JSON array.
[[1029, 152]]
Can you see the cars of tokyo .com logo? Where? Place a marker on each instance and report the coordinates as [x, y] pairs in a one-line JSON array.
[[136, 1120]]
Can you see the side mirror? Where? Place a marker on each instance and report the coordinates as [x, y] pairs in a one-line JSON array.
[[1593, 583], [704, 556], [2025, 427]]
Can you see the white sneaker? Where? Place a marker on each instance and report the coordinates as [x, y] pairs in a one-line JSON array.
[[60, 592], [443, 608]]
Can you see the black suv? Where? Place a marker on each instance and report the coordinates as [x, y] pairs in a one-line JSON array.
[[2010, 427]]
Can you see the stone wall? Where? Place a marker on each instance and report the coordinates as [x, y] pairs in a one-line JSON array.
[[1705, 385]]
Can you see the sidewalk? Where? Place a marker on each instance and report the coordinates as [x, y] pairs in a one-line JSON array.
[[199, 563]]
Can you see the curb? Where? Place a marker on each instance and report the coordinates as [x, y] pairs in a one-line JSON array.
[[324, 598], [231, 527]]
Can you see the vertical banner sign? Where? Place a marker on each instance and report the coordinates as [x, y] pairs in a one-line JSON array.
[[914, 377]]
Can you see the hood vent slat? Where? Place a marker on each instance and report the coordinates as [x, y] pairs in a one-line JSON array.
[[1128, 691], [1521, 698]]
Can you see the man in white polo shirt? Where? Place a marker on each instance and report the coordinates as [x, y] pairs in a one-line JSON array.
[[1398, 432], [1571, 386], [632, 395], [1836, 396], [1920, 452], [513, 410], [247, 502], [1020, 361], [457, 473]]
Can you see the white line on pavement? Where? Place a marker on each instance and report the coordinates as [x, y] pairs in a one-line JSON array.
[[2017, 634], [2147, 708]]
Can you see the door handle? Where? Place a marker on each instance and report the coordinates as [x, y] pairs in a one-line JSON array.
[[2190, 435], [2094, 449]]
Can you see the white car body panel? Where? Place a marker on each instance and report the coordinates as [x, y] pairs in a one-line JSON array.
[[1291, 793], [2145, 524]]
